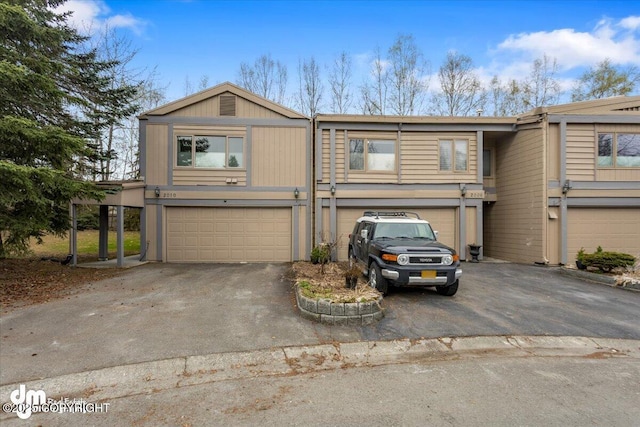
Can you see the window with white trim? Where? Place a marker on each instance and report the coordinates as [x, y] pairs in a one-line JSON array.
[[210, 151], [371, 155], [454, 155], [618, 150]]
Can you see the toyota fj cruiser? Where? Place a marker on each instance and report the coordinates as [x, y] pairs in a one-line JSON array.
[[400, 249]]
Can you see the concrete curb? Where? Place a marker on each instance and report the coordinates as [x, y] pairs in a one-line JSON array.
[[142, 378]]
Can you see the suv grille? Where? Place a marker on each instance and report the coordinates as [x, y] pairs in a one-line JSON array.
[[425, 259]]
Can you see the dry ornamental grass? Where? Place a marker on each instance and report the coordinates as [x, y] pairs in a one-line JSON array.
[[331, 284]]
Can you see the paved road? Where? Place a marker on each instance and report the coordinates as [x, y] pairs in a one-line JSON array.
[[160, 311]]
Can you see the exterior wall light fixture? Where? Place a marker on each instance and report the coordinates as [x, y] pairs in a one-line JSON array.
[[463, 191], [333, 190], [296, 193], [157, 192], [566, 186]]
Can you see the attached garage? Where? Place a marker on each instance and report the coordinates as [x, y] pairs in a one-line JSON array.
[[212, 234], [442, 220], [615, 229]]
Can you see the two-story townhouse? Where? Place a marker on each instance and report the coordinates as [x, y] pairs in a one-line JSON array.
[[233, 177], [228, 179], [442, 168]]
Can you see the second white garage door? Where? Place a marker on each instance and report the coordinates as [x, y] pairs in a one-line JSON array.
[[207, 234]]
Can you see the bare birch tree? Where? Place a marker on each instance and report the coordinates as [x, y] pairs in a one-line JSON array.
[[266, 77], [309, 94], [505, 99], [373, 91], [406, 73], [461, 93], [340, 83], [541, 88]]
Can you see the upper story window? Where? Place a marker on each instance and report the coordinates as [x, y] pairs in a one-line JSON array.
[[372, 155], [217, 152], [620, 150], [454, 155]]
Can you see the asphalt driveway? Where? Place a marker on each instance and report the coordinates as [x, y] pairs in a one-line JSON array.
[[160, 311]]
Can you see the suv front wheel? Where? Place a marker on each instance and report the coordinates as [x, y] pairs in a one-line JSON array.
[[448, 291], [376, 280]]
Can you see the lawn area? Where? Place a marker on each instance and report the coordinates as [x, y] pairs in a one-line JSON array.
[[87, 244]]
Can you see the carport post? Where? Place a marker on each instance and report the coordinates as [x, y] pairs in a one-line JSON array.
[[103, 239], [120, 235]]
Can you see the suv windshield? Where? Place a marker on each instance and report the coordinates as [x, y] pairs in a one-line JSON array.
[[396, 230]]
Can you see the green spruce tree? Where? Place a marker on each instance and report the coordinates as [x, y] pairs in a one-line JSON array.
[[52, 93]]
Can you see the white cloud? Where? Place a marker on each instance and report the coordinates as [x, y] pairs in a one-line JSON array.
[[90, 16], [572, 49], [631, 23]]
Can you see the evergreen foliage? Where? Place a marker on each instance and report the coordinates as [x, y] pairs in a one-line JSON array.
[[54, 97]]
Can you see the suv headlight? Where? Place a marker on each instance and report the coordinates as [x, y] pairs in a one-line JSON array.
[[403, 259], [447, 260]]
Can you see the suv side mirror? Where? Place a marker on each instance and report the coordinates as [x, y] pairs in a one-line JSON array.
[[364, 233], [436, 234]]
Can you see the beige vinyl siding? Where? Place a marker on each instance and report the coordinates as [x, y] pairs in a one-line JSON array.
[[278, 157], [442, 220], [419, 158], [156, 153], [211, 108], [206, 234], [515, 224], [615, 229], [581, 152], [200, 176]]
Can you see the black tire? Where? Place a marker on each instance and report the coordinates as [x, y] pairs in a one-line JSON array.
[[448, 291], [376, 280]]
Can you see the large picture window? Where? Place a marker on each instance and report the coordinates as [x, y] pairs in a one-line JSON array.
[[372, 155], [216, 152], [454, 155], [618, 150]]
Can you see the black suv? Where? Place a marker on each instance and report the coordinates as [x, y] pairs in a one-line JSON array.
[[400, 249]]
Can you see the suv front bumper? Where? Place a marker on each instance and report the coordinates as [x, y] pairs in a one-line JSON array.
[[413, 277]]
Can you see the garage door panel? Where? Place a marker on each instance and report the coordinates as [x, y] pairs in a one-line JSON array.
[[228, 234], [614, 229], [443, 220]]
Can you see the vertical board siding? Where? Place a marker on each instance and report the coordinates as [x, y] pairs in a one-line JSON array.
[[211, 108], [157, 157], [515, 223], [278, 157], [553, 153]]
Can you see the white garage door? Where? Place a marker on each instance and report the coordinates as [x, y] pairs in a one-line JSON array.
[[616, 230], [442, 220], [228, 234]]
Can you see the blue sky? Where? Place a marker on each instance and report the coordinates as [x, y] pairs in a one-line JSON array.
[[194, 38]]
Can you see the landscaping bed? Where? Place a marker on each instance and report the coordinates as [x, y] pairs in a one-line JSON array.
[[322, 294]]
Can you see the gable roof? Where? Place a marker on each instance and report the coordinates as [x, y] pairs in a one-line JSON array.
[[217, 90], [612, 105]]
